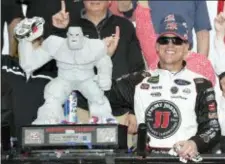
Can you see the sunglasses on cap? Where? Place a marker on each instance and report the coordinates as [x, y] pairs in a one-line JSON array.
[[164, 40]]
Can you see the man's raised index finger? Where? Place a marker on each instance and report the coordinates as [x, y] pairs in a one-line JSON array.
[[63, 6], [117, 34]]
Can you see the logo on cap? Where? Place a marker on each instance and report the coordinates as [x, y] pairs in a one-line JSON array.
[[169, 18], [171, 26]]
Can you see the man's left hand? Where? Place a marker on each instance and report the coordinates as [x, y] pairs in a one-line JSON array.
[[222, 83], [188, 149], [112, 42]]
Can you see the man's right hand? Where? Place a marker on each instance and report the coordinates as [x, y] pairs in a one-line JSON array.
[[219, 24], [188, 149], [111, 42], [61, 19], [222, 83], [131, 122], [124, 6], [143, 3]]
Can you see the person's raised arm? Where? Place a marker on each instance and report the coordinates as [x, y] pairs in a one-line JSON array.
[[202, 27], [219, 43], [146, 33], [12, 14]]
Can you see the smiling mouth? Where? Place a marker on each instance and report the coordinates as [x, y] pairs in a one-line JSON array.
[[170, 52], [95, 3], [74, 41]]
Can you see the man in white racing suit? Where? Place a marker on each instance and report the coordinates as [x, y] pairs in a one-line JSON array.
[[76, 57], [177, 105], [175, 102]]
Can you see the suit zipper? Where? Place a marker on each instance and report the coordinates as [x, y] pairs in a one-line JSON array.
[[98, 32]]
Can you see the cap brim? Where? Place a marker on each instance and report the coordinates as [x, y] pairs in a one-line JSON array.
[[174, 33]]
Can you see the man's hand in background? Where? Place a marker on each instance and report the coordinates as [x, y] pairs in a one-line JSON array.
[[219, 24], [62, 18], [124, 6], [112, 42], [188, 149]]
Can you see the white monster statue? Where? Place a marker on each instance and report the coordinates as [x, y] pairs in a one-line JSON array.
[[76, 57]]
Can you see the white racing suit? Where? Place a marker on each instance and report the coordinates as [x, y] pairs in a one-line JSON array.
[[75, 72], [175, 107]]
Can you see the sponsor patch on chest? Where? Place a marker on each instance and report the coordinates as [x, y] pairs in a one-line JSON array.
[[153, 79], [182, 82], [162, 118], [144, 86]]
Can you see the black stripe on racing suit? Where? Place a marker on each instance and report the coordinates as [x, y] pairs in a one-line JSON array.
[[208, 134], [121, 94]]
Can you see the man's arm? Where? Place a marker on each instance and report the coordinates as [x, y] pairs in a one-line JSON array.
[[13, 14], [219, 44], [13, 44], [208, 134], [220, 57], [203, 42], [123, 89], [6, 103], [202, 27], [146, 34], [6, 112], [7, 121], [121, 96]]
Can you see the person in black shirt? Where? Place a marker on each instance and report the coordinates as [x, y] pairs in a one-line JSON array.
[[98, 22], [11, 13], [18, 95], [25, 105]]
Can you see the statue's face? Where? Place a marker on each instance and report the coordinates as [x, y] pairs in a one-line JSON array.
[[75, 38]]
